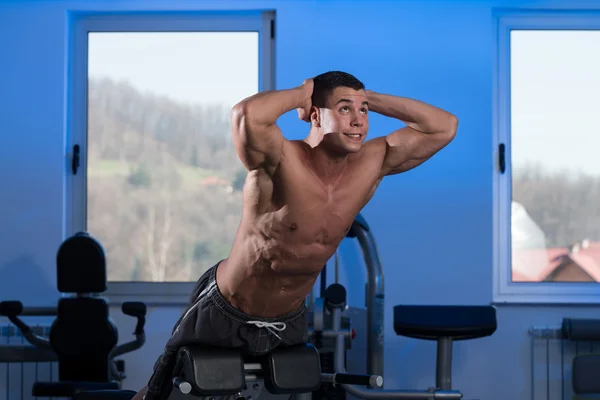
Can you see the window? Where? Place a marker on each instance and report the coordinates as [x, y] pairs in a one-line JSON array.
[[159, 181], [546, 213]]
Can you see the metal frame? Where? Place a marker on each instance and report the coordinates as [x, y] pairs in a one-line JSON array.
[[504, 290], [375, 294], [80, 24]]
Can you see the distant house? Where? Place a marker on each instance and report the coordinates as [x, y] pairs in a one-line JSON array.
[[532, 261], [214, 180], [579, 263]]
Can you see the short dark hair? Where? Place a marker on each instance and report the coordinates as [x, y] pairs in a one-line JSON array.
[[325, 83]]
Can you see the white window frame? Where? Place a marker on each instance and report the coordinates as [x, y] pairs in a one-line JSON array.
[[81, 23], [504, 290]]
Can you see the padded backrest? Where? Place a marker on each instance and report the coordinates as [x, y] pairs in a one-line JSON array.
[[81, 265], [294, 369], [83, 336]]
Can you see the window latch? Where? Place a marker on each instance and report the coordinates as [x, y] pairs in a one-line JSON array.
[[75, 160], [502, 157]]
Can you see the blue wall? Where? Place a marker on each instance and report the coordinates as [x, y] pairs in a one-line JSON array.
[[433, 225]]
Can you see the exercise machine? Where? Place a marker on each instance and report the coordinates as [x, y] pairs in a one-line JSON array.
[[290, 372], [83, 338], [364, 327], [372, 316], [585, 364], [287, 372], [207, 373], [443, 324], [298, 372], [332, 328]]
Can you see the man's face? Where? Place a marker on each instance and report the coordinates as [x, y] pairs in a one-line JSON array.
[[345, 120]]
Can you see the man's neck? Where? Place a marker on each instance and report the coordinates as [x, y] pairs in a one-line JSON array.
[[328, 166]]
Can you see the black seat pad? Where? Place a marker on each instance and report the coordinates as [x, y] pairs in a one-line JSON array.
[[292, 370], [212, 370], [217, 371], [434, 322]]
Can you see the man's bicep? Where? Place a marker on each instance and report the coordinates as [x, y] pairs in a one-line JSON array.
[[406, 149], [258, 146]]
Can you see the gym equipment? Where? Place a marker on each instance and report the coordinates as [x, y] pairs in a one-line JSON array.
[[201, 371], [445, 324], [442, 323], [584, 373], [17, 353], [206, 372], [83, 337], [375, 298], [367, 323]]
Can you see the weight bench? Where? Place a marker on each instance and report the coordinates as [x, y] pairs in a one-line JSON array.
[[209, 372], [444, 324]]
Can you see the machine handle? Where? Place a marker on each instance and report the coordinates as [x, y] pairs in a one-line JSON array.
[[183, 386], [11, 308], [138, 310], [134, 308], [370, 381]]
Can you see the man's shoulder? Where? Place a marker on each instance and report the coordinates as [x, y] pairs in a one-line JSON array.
[[295, 147], [371, 149], [375, 144], [370, 157]]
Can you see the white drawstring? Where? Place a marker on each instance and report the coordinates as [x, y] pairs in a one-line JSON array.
[[271, 326]]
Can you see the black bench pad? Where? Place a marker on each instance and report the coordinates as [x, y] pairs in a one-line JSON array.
[[434, 322]]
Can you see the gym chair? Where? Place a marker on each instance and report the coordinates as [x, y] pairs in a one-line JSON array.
[[444, 324], [83, 336]]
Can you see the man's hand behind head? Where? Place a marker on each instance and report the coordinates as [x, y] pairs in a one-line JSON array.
[[304, 111]]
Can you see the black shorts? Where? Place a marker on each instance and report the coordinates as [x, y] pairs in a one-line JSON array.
[[210, 320]]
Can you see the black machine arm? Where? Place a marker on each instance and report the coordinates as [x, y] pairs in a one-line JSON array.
[[138, 310], [13, 309]]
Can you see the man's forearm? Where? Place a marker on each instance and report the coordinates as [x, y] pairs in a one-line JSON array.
[[266, 107], [416, 114]]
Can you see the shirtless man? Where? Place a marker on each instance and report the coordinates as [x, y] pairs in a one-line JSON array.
[[300, 199]]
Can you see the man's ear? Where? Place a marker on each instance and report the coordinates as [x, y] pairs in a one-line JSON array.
[[315, 116]]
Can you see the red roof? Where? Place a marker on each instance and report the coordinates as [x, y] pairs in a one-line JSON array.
[[213, 180], [534, 265]]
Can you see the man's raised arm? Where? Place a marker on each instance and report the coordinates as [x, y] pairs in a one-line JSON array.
[[257, 139], [428, 130]]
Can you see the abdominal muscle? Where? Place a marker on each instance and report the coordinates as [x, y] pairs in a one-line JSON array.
[[268, 277]]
